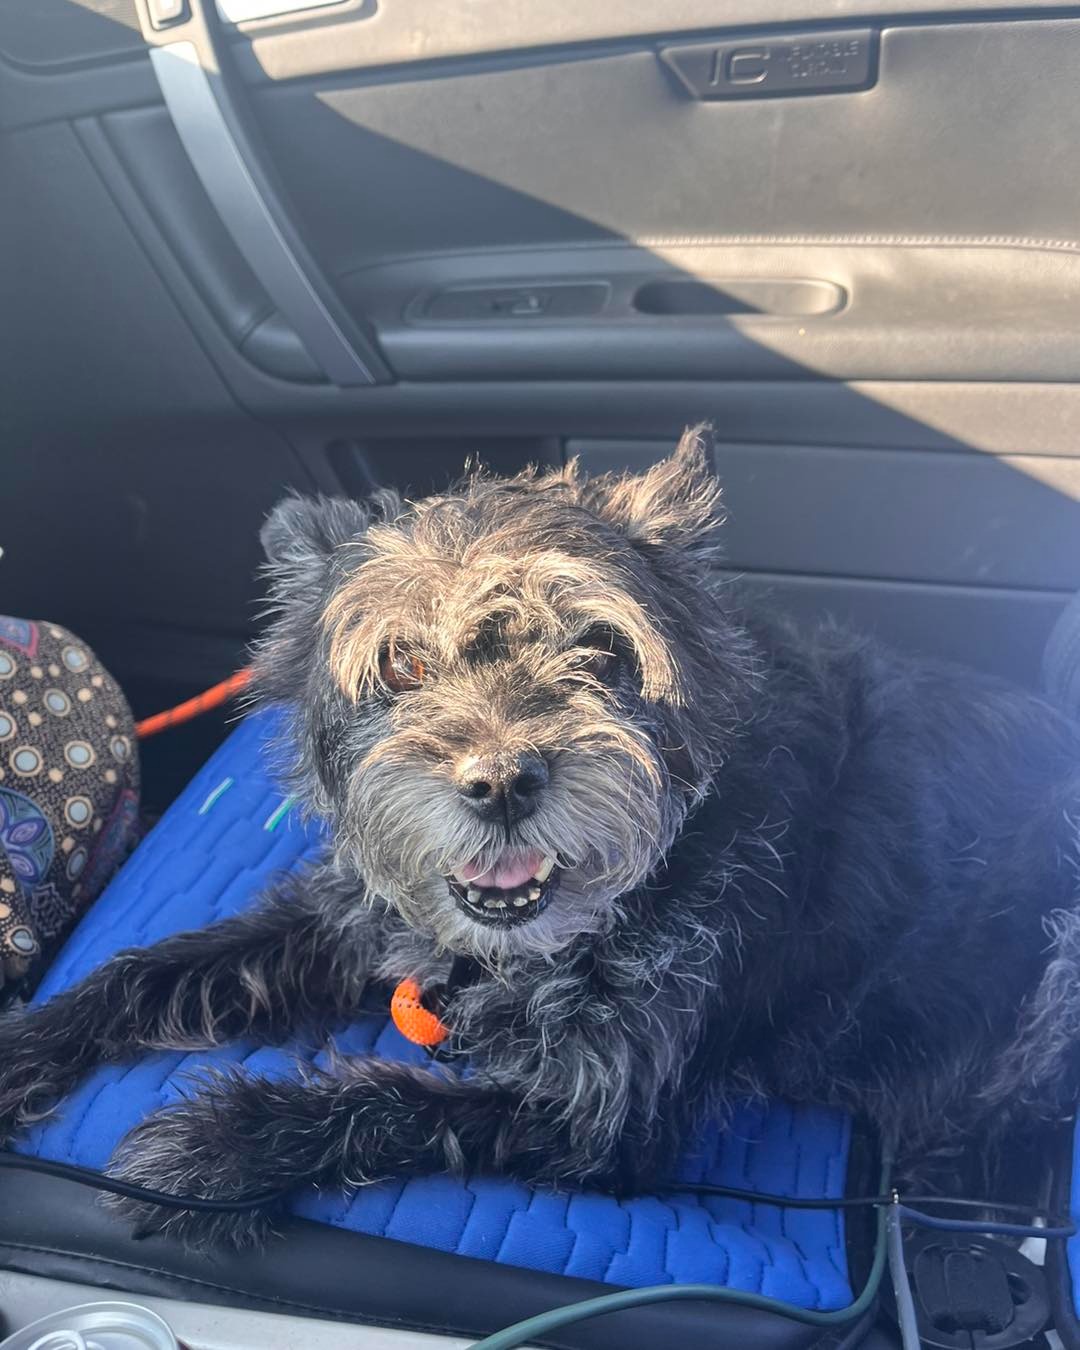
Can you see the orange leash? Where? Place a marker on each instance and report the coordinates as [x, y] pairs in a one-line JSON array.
[[184, 712]]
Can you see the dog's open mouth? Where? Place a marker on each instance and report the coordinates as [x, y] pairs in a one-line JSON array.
[[516, 889]]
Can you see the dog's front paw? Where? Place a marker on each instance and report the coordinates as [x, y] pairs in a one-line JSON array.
[[188, 1151], [35, 1067]]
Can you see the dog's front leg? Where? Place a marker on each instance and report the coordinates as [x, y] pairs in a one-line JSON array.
[[302, 954], [371, 1120]]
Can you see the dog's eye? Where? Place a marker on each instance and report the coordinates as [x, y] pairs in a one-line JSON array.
[[596, 652], [400, 671]]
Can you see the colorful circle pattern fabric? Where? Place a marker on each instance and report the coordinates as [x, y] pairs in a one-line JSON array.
[[69, 782]]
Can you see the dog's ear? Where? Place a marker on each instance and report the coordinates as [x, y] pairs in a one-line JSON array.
[[301, 534], [675, 503], [300, 537]]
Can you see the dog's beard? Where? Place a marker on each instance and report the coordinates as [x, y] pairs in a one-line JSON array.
[[607, 818]]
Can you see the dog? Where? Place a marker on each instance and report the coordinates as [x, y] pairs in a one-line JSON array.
[[690, 856]]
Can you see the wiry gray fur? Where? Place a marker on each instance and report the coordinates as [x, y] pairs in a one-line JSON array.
[[797, 866]]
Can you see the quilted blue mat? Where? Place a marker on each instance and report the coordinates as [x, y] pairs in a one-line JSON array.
[[1072, 1249], [224, 838]]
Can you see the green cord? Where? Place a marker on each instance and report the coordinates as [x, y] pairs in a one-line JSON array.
[[543, 1324]]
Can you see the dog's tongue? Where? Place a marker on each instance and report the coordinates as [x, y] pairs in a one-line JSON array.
[[512, 869]]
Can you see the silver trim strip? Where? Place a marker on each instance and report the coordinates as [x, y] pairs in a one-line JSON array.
[[216, 158], [244, 11]]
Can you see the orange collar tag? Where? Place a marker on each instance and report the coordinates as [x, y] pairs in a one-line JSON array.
[[415, 1022]]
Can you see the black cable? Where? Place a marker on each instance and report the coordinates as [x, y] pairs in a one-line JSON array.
[[1055, 1227], [960, 1203], [98, 1181], [784, 1201], [988, 1226], [86, 1176]]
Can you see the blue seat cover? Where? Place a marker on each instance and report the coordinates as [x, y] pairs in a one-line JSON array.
[[1072, 1247], [227, 835]]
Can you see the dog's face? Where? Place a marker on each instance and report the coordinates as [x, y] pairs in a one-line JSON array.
[[507, 698]]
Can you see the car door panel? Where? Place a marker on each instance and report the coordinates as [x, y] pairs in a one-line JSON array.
[[544, 241]]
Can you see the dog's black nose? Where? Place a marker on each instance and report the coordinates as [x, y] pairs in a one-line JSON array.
[[504, 786]]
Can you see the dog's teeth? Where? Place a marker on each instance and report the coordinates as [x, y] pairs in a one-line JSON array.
[[474, 895], [546, 868], [534, 893], [521, 901], [494, 904]]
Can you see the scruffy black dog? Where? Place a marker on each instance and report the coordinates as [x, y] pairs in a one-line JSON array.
[[691, 857]]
